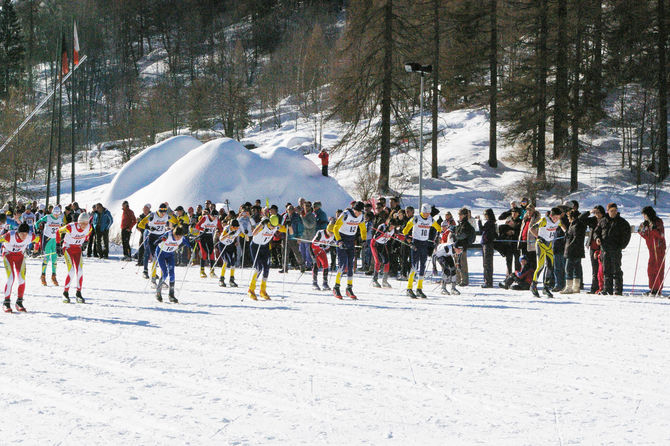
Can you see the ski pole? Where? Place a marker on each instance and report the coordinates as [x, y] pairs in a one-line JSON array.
[[637, 259], [283, 280]]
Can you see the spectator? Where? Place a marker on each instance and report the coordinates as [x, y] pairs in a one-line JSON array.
[[102, 221], [146, 210], [293, 223], [653, 233], [464, 236], [309, 231], [574, 250], [612, 234], [489, 232], [597, 213], [128, 221], [323, 155]]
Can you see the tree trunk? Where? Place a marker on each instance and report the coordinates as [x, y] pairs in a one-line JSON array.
[[576, 108], [385, 146], [542, 90], [662, 94], [493, 91], [561, 92], [436, 82]]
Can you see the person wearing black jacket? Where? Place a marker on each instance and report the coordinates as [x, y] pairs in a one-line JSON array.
[[464, 236], [575, 233], [489, 232], [612, 235], [509, 232]]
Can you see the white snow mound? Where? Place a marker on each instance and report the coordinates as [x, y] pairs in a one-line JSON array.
[[223, 169]]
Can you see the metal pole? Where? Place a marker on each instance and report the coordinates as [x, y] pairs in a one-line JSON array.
[[72, 119], [421, 148]]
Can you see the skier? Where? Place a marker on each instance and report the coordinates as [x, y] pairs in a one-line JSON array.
[[52, 222], [321, 243], [165, 249], [422, 245], [380, 252], [74, 235], [344, 229], [154, 226], [15, 244], [228, 239], [207, 226], [545, 231], [260, 252], [653, 233], [445, 254]]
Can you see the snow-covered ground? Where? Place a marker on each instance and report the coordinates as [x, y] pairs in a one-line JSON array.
[[486, 367]]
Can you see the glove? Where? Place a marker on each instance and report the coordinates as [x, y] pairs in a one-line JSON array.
[[340, 244]]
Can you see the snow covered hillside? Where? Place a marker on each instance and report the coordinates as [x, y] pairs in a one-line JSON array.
[[487, 367]]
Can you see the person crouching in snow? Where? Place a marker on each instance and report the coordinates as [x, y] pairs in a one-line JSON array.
[[521, 278], [15, 244], [444, 255], [165, 249], [74, 235]]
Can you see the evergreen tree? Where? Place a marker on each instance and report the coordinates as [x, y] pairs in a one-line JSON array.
[[11, 47]]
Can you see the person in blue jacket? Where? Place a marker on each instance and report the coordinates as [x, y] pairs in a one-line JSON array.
[[102, 221]]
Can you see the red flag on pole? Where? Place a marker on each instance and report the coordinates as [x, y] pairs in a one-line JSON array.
[[75, 53], [65, 68]]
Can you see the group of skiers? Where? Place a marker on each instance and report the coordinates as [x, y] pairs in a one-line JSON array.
[[387, 240]]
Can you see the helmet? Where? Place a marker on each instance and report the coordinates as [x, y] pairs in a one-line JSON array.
[[425, 208], [359, 206], [83, 217], [162, 208], [235, 223], [274, 220], [56, 210]]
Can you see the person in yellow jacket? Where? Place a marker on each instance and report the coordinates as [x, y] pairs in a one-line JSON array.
[[545, 231], [422, 245], [260, 241], [344, 230]]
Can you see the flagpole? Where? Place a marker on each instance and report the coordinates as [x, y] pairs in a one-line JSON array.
[[72, 90]]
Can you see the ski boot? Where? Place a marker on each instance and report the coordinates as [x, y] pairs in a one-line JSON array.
[[203, 274], [533, 289], [232, 282], [7, 306], [66, 297], [454, 291], [154, 282], [252, 294], [80, 298], [419, 293], [336, 292], [19, 305], [443, 289], [145, 274], [375, 283], [350, 293], [315, 286], [171, 295], [325, 287], [385, 281], [54, 280], [410, 293], [222, 282], [43, 279], [264, 294], [547, 292], [212, 274], [159, 296]]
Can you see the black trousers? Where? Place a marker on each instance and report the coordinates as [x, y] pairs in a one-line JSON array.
[[125, 240], [612, 271], [102, 243], [595, 265], [324, 171], [487, 258]]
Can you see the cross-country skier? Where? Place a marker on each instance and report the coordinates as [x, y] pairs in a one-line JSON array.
[[445, 254], [545, 231], [165, 249], [208, 225], [422, 245], [15, 244], [228, 240], [322, 242], [52, 222], [154, 226], [74, 235], [380, 252], [345, 229], [260, 252]]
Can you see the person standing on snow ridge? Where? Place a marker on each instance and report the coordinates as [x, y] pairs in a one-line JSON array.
[[14, 246], [74, 235], [653, 233], [52, 222], [422, 245], [323, 155], [345, 229]]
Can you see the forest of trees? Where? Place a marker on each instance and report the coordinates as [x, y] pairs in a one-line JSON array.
[[545, 69]]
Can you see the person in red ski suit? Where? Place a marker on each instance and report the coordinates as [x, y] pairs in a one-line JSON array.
[[653, 233]]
